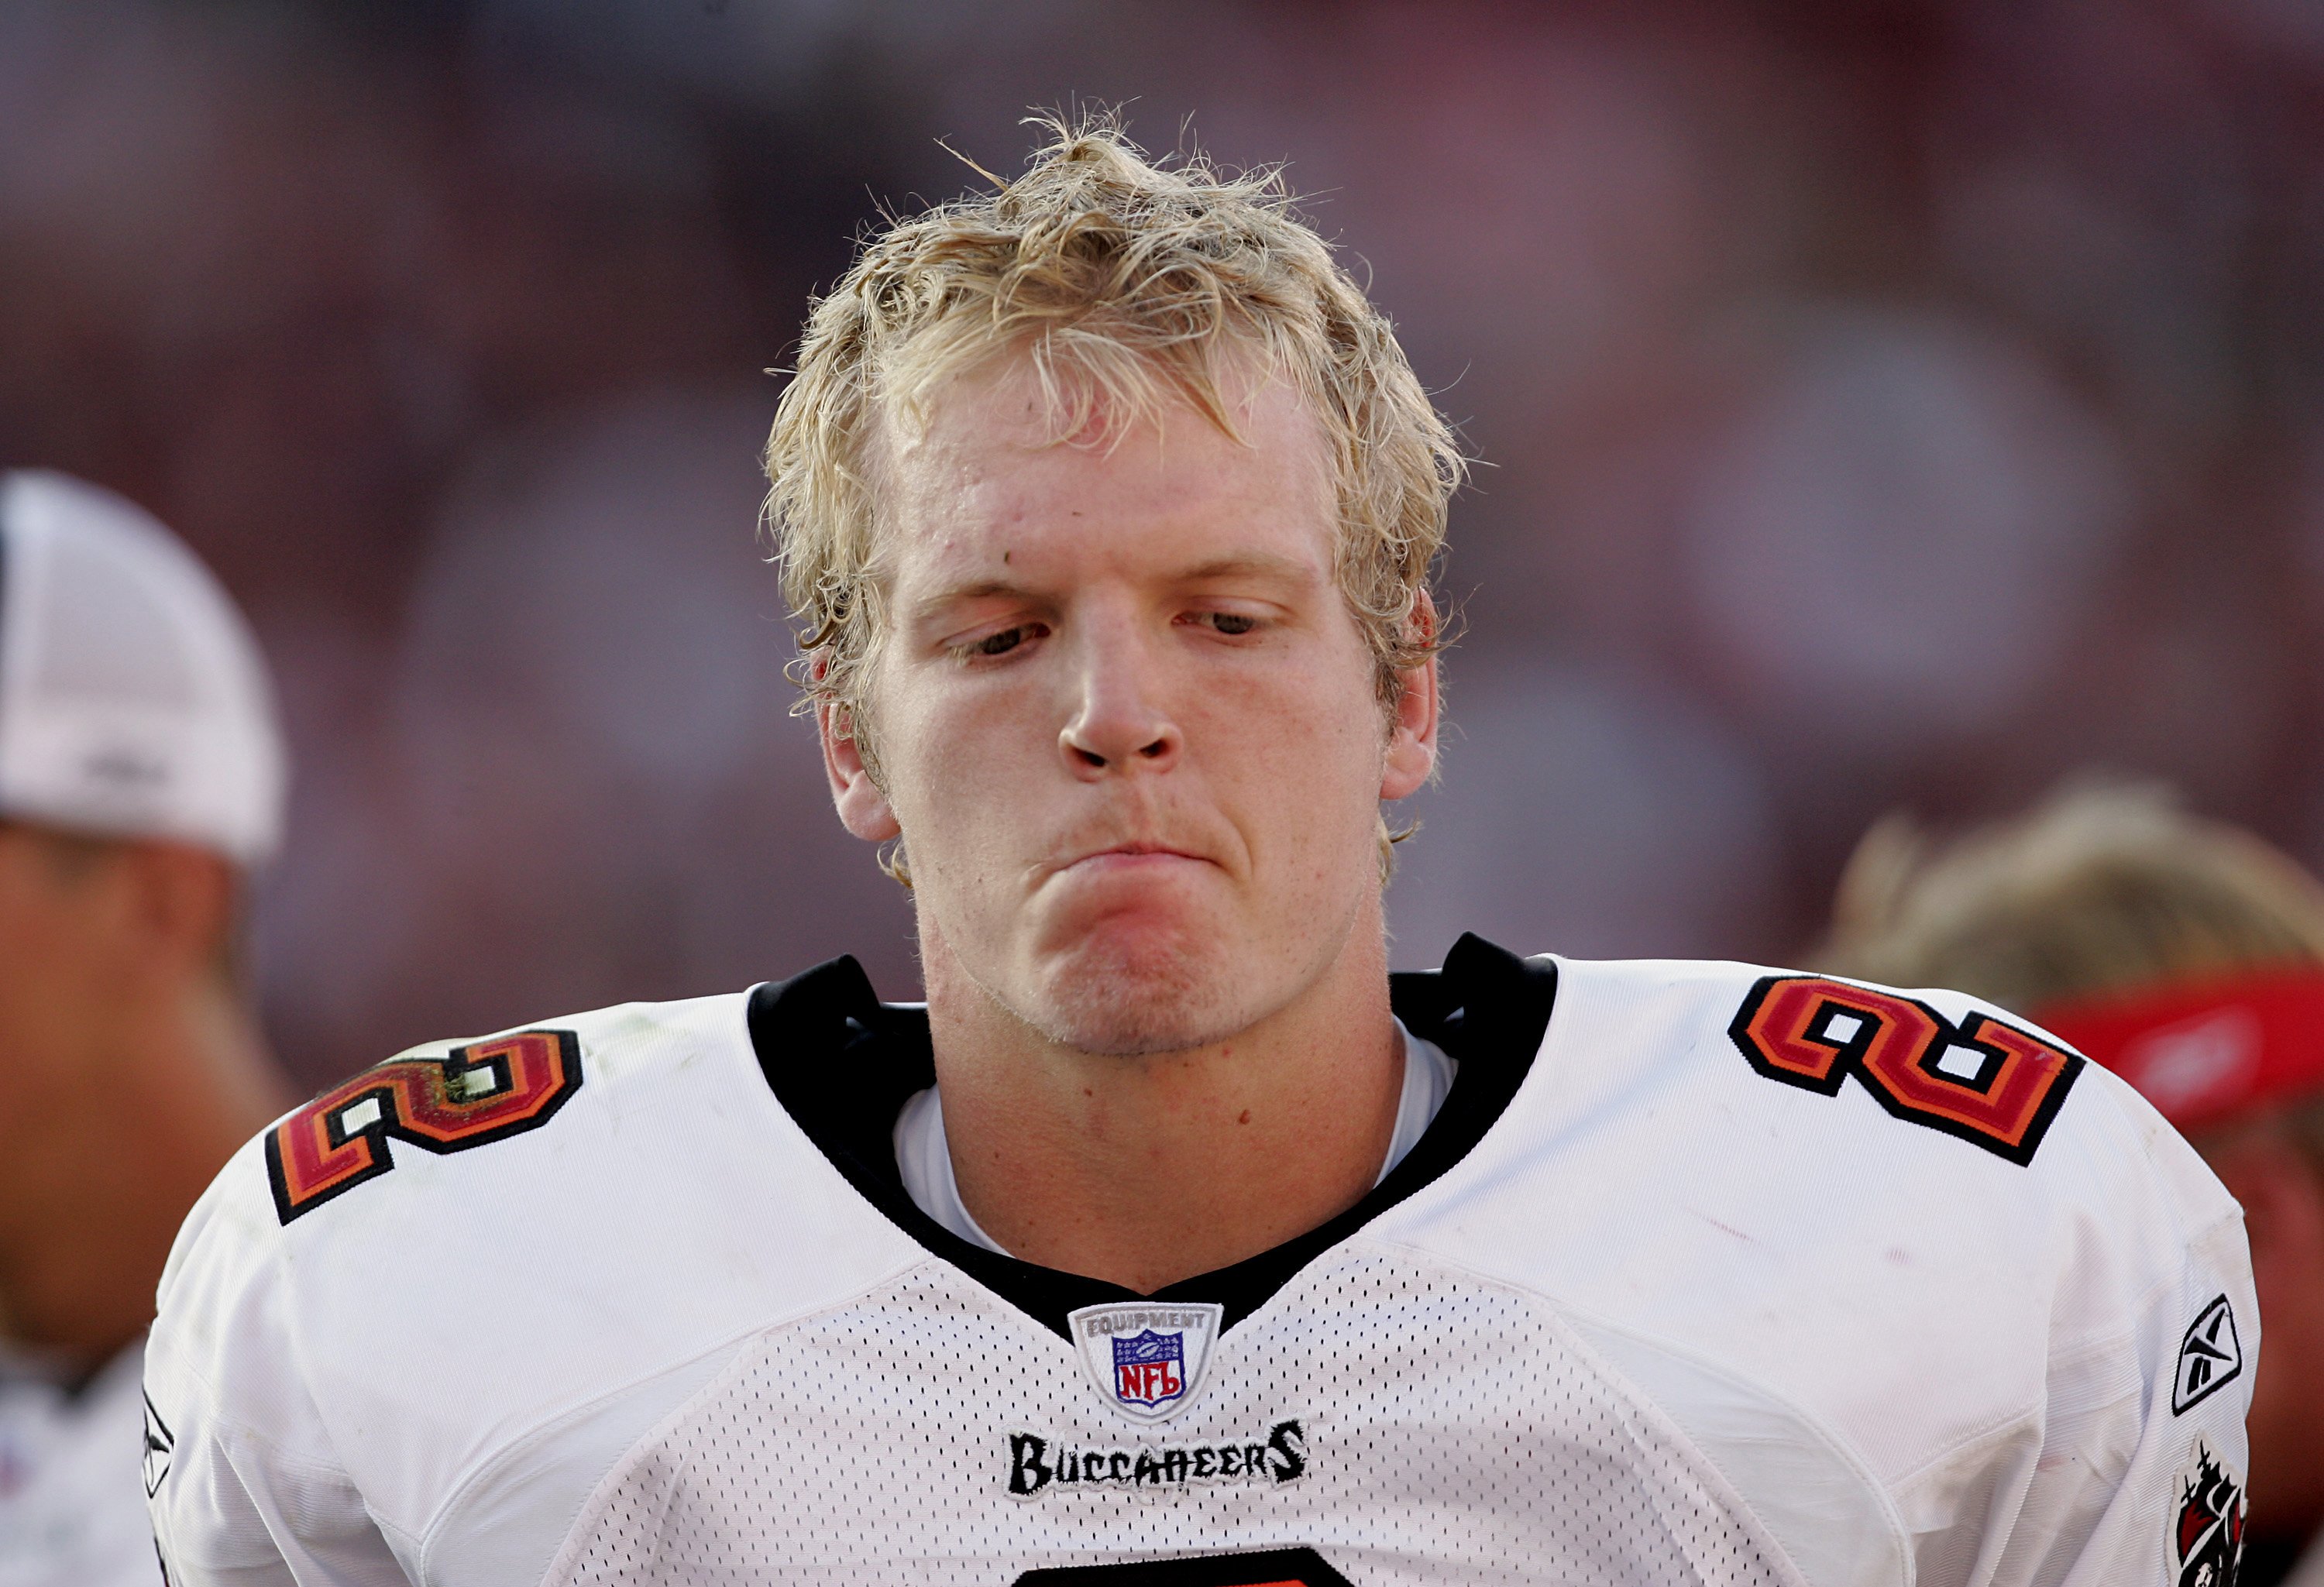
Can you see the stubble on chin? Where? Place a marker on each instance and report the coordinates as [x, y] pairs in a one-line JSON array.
[[1120, 1001], [1112, 999]]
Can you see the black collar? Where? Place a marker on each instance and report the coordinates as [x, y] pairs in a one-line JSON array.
[[842, 1064]]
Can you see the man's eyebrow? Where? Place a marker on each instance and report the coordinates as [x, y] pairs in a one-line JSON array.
[[980, 589], [1251, 564], [1240, 564]]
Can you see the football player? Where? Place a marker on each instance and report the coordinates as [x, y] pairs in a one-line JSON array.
[[2188, 957], [1174, 1240], [141, 777]]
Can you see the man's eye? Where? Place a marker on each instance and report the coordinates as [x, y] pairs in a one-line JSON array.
[[1231, 622], [1000, 643]]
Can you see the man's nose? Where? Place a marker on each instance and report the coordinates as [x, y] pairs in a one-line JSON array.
[[1119, 722]]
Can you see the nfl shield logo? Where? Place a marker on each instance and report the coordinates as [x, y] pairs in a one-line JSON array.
[[1145, 1359], [1149, 1369]]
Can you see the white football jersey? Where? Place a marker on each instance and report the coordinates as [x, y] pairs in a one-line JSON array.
[[71, 1513], [1702, 1274]]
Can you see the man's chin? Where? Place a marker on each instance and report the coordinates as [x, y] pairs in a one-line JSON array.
[[1127, 998]]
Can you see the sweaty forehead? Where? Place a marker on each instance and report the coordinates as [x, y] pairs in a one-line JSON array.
[[986, 475]]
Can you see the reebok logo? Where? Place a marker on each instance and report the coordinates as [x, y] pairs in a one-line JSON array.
[[161, 1444], [2210, 1355]]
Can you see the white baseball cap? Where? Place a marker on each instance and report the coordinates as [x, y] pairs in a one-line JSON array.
[[133, 701]]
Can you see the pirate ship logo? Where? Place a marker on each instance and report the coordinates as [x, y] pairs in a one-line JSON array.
[[2207, 1538]]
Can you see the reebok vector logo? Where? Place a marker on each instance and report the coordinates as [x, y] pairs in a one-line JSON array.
[[2210, 1355], [161, 1444]]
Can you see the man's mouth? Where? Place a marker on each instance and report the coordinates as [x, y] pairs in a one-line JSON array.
[[1132, 856]]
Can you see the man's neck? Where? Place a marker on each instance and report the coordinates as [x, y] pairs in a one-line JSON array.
[[1145, 1170], [172, 1090]]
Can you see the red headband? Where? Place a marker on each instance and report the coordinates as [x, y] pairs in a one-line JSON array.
[[2206, 1052]]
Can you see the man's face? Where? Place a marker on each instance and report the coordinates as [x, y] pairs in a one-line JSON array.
[[62, 974], [1124, 719]]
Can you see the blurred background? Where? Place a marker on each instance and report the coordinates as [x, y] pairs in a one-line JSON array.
[[1890, 402]]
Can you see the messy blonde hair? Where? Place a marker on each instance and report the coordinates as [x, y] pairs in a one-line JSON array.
[[1127, 285], [2103, 887]]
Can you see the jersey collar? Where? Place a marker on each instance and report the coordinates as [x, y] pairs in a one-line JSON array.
[[842, 1064]]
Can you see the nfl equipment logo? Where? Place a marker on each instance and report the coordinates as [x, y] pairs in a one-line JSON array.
[[1146, 1357], [1149, 1369]]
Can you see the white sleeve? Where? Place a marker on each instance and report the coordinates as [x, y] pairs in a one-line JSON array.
[[2135, 1466], [243, 1484], [2148, 1485]]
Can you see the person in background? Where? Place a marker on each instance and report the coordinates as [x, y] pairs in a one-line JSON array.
[[142, 777], [2189, 957]]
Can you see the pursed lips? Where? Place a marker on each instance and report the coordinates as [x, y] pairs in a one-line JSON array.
[[1130, 856]]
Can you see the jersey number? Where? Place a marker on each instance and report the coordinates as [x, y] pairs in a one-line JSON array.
[[1986, 1082], [471, 1096], [1275, 1567]]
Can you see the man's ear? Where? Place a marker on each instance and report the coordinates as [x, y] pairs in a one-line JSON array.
[[862, 808], [177, 903], [1412, 732]]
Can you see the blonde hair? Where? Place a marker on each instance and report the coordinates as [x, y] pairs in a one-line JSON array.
[[1127, 284], [2102, 887]]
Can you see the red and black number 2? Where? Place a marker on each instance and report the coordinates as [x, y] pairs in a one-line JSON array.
[[1988, 1083], [1273, 1567], [472, 1096]]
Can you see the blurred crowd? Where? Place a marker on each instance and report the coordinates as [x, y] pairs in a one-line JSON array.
[[1891, 403]]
